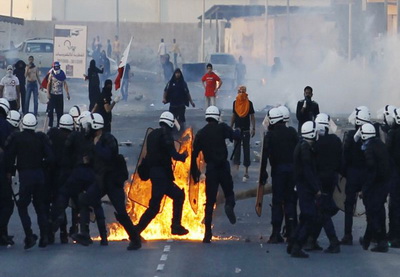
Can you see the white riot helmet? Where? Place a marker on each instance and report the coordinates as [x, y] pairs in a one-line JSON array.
[[322, 120], [14, 118], [167, 118], [5, 105], [96, 121], [76, 111], [82, 119], [352, 118], [362, 116], [213, 112], [285, 112], [29, 122], [309, 130], [275, 115], [388, 114], [397, 116], [66, 122], [367, 131]]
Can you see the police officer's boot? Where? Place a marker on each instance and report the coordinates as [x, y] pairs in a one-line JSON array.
[[347, 240], [207, 235], [275, 237], [296, 252], [334, 246], [5, 239], [312, 245], [176, 227], [83, 236], [44, 241], [229, 209], [30, 239], [382, 245], [101, 225], [134, 237]]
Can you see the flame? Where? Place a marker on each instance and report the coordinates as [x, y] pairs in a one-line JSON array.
[[160, 227]]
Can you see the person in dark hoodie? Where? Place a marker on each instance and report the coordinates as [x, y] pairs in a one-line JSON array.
[[177, 94], [19, 71], [94, 83], [105, 104]]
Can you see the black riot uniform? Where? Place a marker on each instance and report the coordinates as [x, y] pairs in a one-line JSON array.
[[354, 171], [279, 144], [56, 176], [6, 200], [375, 190], [393, 146], [31, 151], [110, 177], [329, 155], [211, 141], [160, 150], [305, 172]]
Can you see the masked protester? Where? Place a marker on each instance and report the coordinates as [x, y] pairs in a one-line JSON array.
[[307, 109], [94, 83], [160, 152], [177, 94], [9, 89], [242, 116], [55, 87], [211, 141]]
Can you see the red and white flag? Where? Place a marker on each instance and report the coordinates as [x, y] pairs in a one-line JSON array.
[[121, 67]]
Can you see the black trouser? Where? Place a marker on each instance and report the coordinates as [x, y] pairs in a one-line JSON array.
[[82, 179], [162, 184], [13, 105], [217, 174], [93, 98], [245, 142], [179, 113], [354, 183], [22, 89], [6, 205], [308, 215], [284, 197], [56, 102], [32, 189], [394, 206], [374, 200]]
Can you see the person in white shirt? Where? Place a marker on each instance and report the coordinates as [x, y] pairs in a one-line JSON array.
[[9, 89], [162, 51]]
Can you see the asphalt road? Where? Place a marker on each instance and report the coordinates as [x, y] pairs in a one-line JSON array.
[[245, 254]]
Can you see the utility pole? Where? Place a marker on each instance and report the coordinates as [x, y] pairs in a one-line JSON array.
[[117, 18], [398, 16], [266, 32], [11, 8], [386, 16], [202, 30], [349, 43]]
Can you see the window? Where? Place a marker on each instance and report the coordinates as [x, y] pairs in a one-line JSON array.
[[38, 47], [223, 59]]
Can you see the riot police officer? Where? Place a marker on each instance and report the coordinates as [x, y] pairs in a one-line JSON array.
[[30, 149], [308, 190], [279, 144], [211, 141], [160, 150]]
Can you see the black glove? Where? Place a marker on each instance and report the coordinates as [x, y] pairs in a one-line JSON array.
[[264, 177]]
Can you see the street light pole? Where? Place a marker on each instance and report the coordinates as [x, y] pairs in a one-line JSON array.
[[117, 17], [202, 30], [266, 32], [11, 8]]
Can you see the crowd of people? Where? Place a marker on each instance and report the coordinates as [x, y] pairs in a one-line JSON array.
[[78, 162]]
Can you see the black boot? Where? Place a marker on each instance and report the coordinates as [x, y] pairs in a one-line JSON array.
[[101, 225], [179, 230], [297, 252], [312, 245], [5, 239], [347, 240], [134, 237], [83, 237], [230, 213], [63, 237], [275, 237], [334, 246], [365, 242], [381, 247], [30, 241], [207, 235]]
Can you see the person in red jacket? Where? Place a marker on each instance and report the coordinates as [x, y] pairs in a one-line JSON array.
[[211, 83]]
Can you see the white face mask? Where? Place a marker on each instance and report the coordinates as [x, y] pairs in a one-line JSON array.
[[57, 71], [9, 73]]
